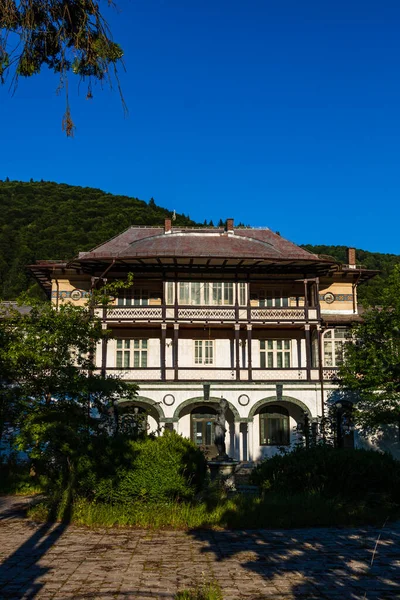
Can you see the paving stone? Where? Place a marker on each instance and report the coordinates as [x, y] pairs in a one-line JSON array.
[[59, 562]]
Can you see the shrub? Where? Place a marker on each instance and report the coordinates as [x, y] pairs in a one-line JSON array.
[[349, 474], [123, 470]]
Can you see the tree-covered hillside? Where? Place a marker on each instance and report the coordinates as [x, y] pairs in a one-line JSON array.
[[45, 220], [370, 291]]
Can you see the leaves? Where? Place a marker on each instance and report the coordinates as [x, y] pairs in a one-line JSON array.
[[67, 36], [49, 384], [371, 369]]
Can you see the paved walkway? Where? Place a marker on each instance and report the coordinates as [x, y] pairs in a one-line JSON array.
[[63, 562]]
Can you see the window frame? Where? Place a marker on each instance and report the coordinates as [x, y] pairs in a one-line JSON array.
[[330, 338], [278, 413], [131, 351], [205, 293], [271, 354], [201, 353], [273, 298], [135, 297]]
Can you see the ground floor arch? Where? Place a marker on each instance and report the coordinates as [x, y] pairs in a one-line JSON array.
[[140, 414], [195, 419], [275, 424]]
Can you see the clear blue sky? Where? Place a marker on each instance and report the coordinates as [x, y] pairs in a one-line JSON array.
[[279, 113]]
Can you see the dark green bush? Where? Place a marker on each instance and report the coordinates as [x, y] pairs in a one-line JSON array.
[[123, 470], [349, 474]]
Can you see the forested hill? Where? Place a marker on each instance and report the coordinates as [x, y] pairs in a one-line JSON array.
[[369, 292], [45, 220]]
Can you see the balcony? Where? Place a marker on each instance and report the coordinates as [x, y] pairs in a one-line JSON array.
[[206, 314], [199, 374]]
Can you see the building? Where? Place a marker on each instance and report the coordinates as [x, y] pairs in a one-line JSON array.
[[240, 313]]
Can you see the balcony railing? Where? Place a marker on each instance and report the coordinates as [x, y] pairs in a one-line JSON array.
[[221, 374], [216, 314]]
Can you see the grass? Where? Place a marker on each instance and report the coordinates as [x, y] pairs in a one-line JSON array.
[[18, 482], [206, 591], [238, 512]]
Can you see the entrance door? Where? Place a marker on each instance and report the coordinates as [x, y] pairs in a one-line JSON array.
[[203, 419]]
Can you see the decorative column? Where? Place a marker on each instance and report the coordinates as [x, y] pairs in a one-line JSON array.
[[162, 349], [237, 441], [237, 351], [176, 343], [321, 374], [308, 351], [176, 300], [249, 357], [250, 441], [104, 351], [236, 301], [306, 298]]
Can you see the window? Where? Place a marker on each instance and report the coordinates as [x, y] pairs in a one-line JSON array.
[[242, 294], [196, 293], [170, 292], [131, 349], [275, 354], [333, 346], [204, 352], [123, 353], [274, 426], [272, 298], [137, 297], [203, 419]]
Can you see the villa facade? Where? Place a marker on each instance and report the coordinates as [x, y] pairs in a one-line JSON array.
[[240, 314]]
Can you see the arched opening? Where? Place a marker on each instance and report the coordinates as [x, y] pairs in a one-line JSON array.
[[195, 410], [137, 417], [275, 423], [274, 426], [202, 419], [133, 421]]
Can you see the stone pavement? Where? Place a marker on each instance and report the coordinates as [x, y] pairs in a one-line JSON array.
[[64, 562]]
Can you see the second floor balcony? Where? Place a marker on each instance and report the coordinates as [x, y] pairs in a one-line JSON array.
[[207, 314], [214, 302]]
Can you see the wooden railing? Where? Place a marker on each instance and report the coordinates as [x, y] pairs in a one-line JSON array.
[[204, 314]]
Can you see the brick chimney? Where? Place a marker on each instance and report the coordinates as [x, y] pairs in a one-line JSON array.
[[167, 226], [229, 225], [351, 257]]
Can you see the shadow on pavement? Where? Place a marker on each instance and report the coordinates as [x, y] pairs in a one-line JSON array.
[[319, 563], [18, 576]]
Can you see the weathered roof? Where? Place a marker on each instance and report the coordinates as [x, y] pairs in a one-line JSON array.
[[188, 243]]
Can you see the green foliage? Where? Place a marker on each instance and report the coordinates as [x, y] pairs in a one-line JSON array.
[[120, 470], [370, 292], [270, 510], [49, 387], [17, 479], [346, 475], [46, 221], [370, 374], [62, 35], [206, 591]]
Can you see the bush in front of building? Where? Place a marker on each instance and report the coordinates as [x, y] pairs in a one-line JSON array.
[[123, 470], [349, 475]]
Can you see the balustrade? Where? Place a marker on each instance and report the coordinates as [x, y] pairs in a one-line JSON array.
[[202, 313]]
